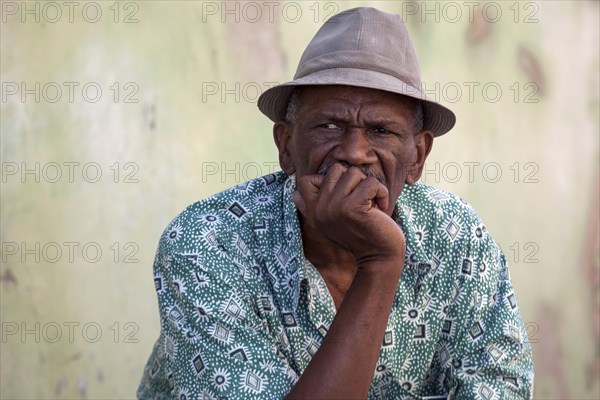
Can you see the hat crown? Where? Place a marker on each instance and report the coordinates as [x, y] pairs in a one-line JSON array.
[[363, 38], [361, 47]]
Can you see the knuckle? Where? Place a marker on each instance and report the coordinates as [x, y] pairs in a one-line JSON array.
[[320, 215], [346, 208], [371, 180]]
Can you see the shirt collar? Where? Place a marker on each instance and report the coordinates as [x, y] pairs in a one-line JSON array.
[[296, 269], [415, 252]]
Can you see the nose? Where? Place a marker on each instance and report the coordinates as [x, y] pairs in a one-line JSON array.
[[355, 148]]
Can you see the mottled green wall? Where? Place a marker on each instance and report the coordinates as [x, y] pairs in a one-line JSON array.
[[175, 141]]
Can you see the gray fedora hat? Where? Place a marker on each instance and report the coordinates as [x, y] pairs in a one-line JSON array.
[[361, 47]]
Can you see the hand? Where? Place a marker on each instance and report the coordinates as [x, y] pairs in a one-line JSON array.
[[348, 207]]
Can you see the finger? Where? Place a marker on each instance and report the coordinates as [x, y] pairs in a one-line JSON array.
[[382, 198], [299, 202], [307, 191], [371, 193], [331, 179], [310, 184], [348, 182]]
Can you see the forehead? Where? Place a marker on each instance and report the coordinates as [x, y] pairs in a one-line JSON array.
[[351, 100]]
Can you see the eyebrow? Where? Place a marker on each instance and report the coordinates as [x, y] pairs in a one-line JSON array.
[[343, 118]]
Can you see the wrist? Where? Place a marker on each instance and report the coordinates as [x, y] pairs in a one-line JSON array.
[[384, 267]]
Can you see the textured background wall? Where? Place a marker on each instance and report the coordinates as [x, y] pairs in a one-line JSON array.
[[117, 115]]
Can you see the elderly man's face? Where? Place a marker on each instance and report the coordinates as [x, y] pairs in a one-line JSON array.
[[370, 129]]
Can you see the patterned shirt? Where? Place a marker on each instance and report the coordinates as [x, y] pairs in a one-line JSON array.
[[242, 311]]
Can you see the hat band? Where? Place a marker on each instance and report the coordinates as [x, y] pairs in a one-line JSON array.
[[357, 60]]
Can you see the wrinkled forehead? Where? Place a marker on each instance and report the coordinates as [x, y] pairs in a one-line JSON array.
[[346, 101]]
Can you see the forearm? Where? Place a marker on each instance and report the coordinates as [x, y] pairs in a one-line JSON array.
[[343, 366]]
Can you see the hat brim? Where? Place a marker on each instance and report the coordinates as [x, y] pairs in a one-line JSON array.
[[436, 118]]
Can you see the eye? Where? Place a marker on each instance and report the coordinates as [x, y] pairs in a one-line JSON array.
[[329, 126], [381, 131]]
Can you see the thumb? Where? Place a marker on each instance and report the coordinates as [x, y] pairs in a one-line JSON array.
[[307, 192], [299, 202]]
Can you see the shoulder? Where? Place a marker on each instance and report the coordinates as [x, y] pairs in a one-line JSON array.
[[451, 233], [429, 206], [219, 232], [235, 208]]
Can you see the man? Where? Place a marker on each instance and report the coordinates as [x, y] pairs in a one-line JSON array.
[[340, 277]]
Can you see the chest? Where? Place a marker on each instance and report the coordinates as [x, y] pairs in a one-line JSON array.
[[408, 348]]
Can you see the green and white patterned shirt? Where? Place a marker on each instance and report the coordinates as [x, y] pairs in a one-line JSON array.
[[242, 311]]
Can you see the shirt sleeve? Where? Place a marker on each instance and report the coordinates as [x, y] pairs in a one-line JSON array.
[[213, 343], [490, 355]]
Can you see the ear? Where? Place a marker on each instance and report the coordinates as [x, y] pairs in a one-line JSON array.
[[423, 145], [282, 132]]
